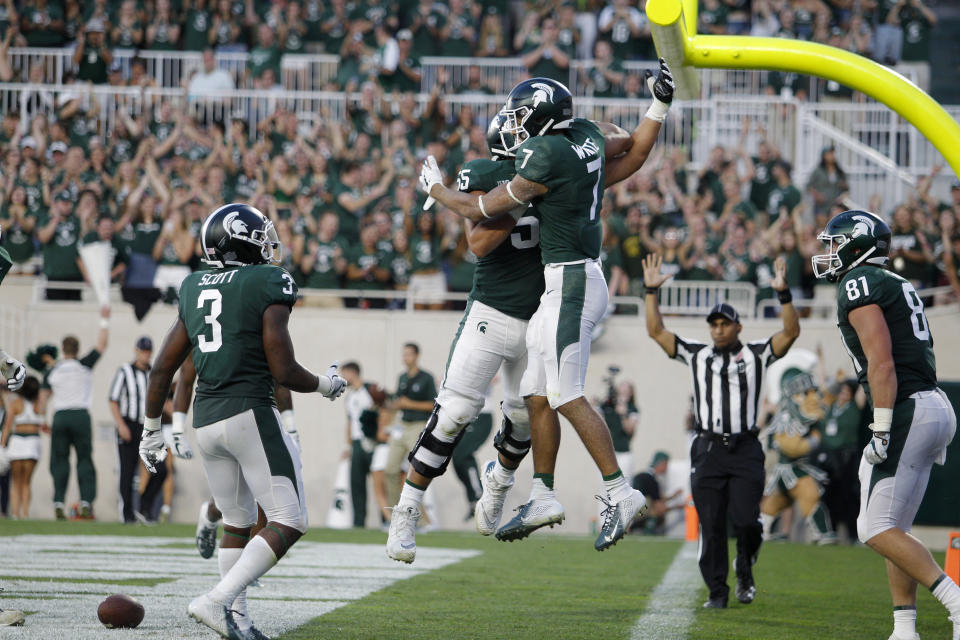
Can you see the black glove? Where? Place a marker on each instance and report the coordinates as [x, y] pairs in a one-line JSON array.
[[662, 86]]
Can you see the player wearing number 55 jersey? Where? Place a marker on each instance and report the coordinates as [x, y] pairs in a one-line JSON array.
[[507, 286], [233, 321], [884, 328], [560, 170]]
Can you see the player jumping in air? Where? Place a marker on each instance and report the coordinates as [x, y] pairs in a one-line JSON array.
[[885, 331], [233, 321], [560, 170]]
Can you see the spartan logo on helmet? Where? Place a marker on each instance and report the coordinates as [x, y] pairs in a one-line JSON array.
[[543, 92], [863, 227], [852, 238], [234, 225]]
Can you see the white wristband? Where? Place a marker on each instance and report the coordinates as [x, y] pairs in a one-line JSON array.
[[482, 210], [151, 424], [515, 198], [657, 111], [324, 386], [289, 424], [104, 323], [882, 419], [179, 421]]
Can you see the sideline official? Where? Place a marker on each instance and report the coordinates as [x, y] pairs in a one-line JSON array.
[[726, 459], [128, 398]]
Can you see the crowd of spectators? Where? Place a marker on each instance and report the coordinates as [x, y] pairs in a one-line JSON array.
[[385, 41], [342, 191]]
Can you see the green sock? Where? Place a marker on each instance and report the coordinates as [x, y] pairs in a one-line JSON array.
[[545, 478]]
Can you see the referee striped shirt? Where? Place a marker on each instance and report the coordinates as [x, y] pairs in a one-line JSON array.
[[726, 383], [129, 390]]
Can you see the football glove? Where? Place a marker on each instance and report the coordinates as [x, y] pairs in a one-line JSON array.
[[331, 384], [662, 86], [13, 371], [181, 446], [153, 450], [430, 175], [876, 450]]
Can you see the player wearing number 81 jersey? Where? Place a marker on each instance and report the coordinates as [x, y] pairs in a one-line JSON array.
[[884, 328], [233, 319]]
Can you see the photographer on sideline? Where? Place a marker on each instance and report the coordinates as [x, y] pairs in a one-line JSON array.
[[622, 417]]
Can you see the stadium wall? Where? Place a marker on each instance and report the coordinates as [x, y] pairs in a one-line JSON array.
[[374, 339]]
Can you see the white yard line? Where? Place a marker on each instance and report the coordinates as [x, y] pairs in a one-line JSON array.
[[313, 579], [670, 609]]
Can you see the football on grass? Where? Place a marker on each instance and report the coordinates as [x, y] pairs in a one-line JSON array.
[[120, 612]]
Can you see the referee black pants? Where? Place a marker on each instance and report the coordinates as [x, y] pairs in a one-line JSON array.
[[727, 482], [129, 465]]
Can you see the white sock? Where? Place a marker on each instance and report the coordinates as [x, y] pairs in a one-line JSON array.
[[502, 474], [226, 558], [410, 496], [905, 622], [618, 489], [948, 593], [767, 520], [257, 558], [539, 490]]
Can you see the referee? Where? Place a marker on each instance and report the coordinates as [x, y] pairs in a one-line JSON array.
[[726, 459], [128, 397]]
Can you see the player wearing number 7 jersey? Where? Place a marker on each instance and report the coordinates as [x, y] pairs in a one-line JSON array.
[[233, 321], [884, 328], [560, 170]]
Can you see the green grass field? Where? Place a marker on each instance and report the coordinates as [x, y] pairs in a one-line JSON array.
[[553, 587]]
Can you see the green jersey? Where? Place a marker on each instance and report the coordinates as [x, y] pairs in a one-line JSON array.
[[222, 310], [910, 338], [420, 388], [509, 278], [570, 164]]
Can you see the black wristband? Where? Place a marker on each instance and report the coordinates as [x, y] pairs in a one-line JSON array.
[[785, 296], [652, 290]]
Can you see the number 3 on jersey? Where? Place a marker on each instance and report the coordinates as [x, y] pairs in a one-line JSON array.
[[213, 343], [526, 226]]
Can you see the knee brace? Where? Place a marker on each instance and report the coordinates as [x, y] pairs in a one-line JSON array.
[[431, 455], [513, 438]]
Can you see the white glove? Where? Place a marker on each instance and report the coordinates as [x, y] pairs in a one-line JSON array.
[[12, 371], [331, 384], [181, 446], [430, 175], [876, 450], [4, 461], [153, 450]]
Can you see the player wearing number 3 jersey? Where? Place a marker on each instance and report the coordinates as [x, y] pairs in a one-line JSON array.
[[884, 328], [233, 321]]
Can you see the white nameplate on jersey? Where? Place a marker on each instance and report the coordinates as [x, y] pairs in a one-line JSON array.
[[209, 279], [588, 148]]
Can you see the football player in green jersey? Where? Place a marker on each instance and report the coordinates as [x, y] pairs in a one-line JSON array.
[[884, 329], [233, 322], [560, 169], [796, 428], [11, 369]]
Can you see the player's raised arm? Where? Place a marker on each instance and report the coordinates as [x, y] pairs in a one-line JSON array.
[[645, 135], [781, 341], [652, 279], [618, 140]]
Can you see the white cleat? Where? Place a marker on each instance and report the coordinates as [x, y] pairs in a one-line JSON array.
[[618, 518], [539, 512], [217, 616], [894, 636], [402, 539], [206, 534], [490, 505]]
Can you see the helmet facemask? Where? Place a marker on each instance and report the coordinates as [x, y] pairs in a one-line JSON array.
[[828, 265], [513, 133], [270, 247]]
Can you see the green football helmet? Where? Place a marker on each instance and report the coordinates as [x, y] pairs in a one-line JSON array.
[[533, 108], [852, 238], [800, 396], [496, 141]]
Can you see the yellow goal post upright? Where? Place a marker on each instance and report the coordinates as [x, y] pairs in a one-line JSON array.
[[674, 27]]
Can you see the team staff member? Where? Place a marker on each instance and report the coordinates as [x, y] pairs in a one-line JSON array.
[[416, 391], [127, 401], [726, 457], [70, 381], [885, 330]]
